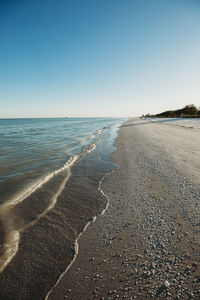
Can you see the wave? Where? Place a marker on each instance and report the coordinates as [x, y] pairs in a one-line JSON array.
[[97, 132], [68, 164], [12, 234], [39, 184], [11, 242], [93, 219]]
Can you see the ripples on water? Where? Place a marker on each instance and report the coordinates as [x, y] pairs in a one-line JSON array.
[[33, 148], [49, 185]]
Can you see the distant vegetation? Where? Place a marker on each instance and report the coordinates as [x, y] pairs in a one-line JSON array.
[[189, 111]]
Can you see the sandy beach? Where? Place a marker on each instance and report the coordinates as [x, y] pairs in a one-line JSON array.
[[147, 244], [100, 150]]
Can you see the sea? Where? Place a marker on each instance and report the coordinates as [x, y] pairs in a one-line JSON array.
[[32, 149], [50, 185]]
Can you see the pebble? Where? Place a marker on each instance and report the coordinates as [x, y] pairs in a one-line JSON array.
[[162, 260], [166, 284]]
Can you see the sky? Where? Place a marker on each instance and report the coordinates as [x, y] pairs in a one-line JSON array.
[[108, 58]]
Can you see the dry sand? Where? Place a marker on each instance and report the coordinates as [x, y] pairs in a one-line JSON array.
[[147, 244]]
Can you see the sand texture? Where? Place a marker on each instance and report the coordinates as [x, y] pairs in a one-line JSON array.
[[147, 244]]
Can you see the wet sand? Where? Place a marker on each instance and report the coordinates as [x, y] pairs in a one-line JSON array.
[[147, 244], [48, 238]]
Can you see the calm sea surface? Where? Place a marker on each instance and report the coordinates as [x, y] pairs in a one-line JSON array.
[[30, 149]]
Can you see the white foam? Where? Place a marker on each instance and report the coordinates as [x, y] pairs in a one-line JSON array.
[[39, 184], [12, 235], [76, 248], [32, 188], [98, 131], [11, 243]]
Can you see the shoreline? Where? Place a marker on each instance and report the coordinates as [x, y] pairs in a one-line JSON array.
[[51, 221], [146, 245], [76, 243]]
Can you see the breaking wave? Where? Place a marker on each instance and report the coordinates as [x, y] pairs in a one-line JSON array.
[[12, 234]]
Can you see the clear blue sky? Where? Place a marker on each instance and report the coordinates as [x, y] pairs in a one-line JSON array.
[[98, 57]]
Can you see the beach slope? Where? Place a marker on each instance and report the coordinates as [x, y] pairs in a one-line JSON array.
[[147, 244]]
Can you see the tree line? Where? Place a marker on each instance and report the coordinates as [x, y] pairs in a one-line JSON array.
[[189, 111]]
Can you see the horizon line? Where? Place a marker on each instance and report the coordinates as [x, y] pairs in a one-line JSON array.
[[65, 117]]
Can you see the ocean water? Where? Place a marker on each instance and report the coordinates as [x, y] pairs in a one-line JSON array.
[[50, 185], [31, 149]]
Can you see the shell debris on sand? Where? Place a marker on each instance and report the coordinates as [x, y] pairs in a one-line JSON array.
[[150, 254]]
